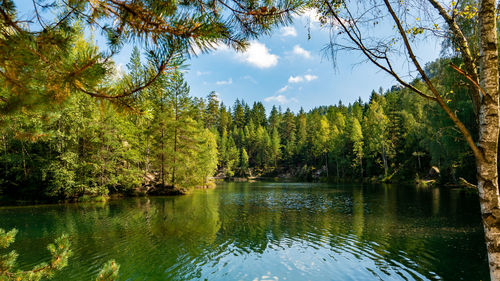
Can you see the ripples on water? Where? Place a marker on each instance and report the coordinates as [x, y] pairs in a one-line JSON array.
[[266, 231]]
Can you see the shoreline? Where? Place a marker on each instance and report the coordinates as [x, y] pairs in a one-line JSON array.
[[5, 201]]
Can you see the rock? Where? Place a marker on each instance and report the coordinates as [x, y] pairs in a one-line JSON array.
[[434, 172]]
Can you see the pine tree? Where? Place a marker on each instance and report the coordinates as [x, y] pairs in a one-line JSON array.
[[301, 135], [274, 119], [60, 254], [212, 110], [238, 114], [166, 32], [244, 163], [275, 146]]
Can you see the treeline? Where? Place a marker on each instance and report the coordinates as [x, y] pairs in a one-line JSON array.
[[88, 146], [161, 139], [395, 136]]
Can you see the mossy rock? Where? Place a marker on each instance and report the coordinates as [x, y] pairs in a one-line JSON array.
[[425, 183], [92, 198]]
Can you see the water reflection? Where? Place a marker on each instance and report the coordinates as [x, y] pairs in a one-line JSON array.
[[266, 231]]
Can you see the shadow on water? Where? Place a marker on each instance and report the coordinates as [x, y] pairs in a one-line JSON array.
[[266, 231]]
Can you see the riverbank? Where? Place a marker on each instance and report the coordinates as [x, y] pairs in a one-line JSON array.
[[87, 198], [178, 191]]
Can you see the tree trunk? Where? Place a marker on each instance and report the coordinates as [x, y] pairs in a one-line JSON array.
[[176, 117], [147, 153], [24, 161], [162, 158], [338, 171], [101, 146], [490, 212], [361, 166], [326, 161], [384, 158], [175, 156], [487, 174]]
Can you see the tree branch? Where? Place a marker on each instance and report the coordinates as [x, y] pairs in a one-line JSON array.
[[463, 44], [357, 41], [468, 77], [465, 132]]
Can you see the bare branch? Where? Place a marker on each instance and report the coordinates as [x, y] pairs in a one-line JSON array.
[[465, 132], [371, 57], [38, 15]]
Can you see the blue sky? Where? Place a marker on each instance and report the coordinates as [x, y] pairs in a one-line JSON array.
[[284, 68], [289, 70]]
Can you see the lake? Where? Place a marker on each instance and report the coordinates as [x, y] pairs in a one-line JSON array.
[[265, 231]]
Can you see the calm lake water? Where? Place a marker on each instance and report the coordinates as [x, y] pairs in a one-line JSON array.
[[265, 231]]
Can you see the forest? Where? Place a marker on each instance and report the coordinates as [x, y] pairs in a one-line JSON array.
[[395, 136], [162, 140], [81, 127], [167, 139]]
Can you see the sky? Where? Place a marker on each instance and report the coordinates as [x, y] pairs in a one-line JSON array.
[[286, 68], [289, 70]]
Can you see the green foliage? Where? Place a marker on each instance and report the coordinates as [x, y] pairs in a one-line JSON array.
[[395, 136], [63, 139], [244, 165], [356, 137], [60, 253], [109, 271], [46, 61], [86, 147]]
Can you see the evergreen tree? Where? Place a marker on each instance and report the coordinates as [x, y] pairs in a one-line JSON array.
[[212, 110], [167, 33], [238, 114], [60, 254], [356, 137], [275, 146], [244, 164]]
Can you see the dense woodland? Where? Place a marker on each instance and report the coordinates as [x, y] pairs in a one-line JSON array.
[[395, 136], [80, 126], [165, 139]]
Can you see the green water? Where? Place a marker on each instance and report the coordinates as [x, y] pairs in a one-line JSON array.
[[265, 231]]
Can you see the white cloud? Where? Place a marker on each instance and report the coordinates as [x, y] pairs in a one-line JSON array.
[[286, 87], [313, 18], [301, 52], [200, 73], [311, 15], [309, 77], [298, 79], [295, 79], [288, 31], [280, 99], [225, 82], [258, 54]]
